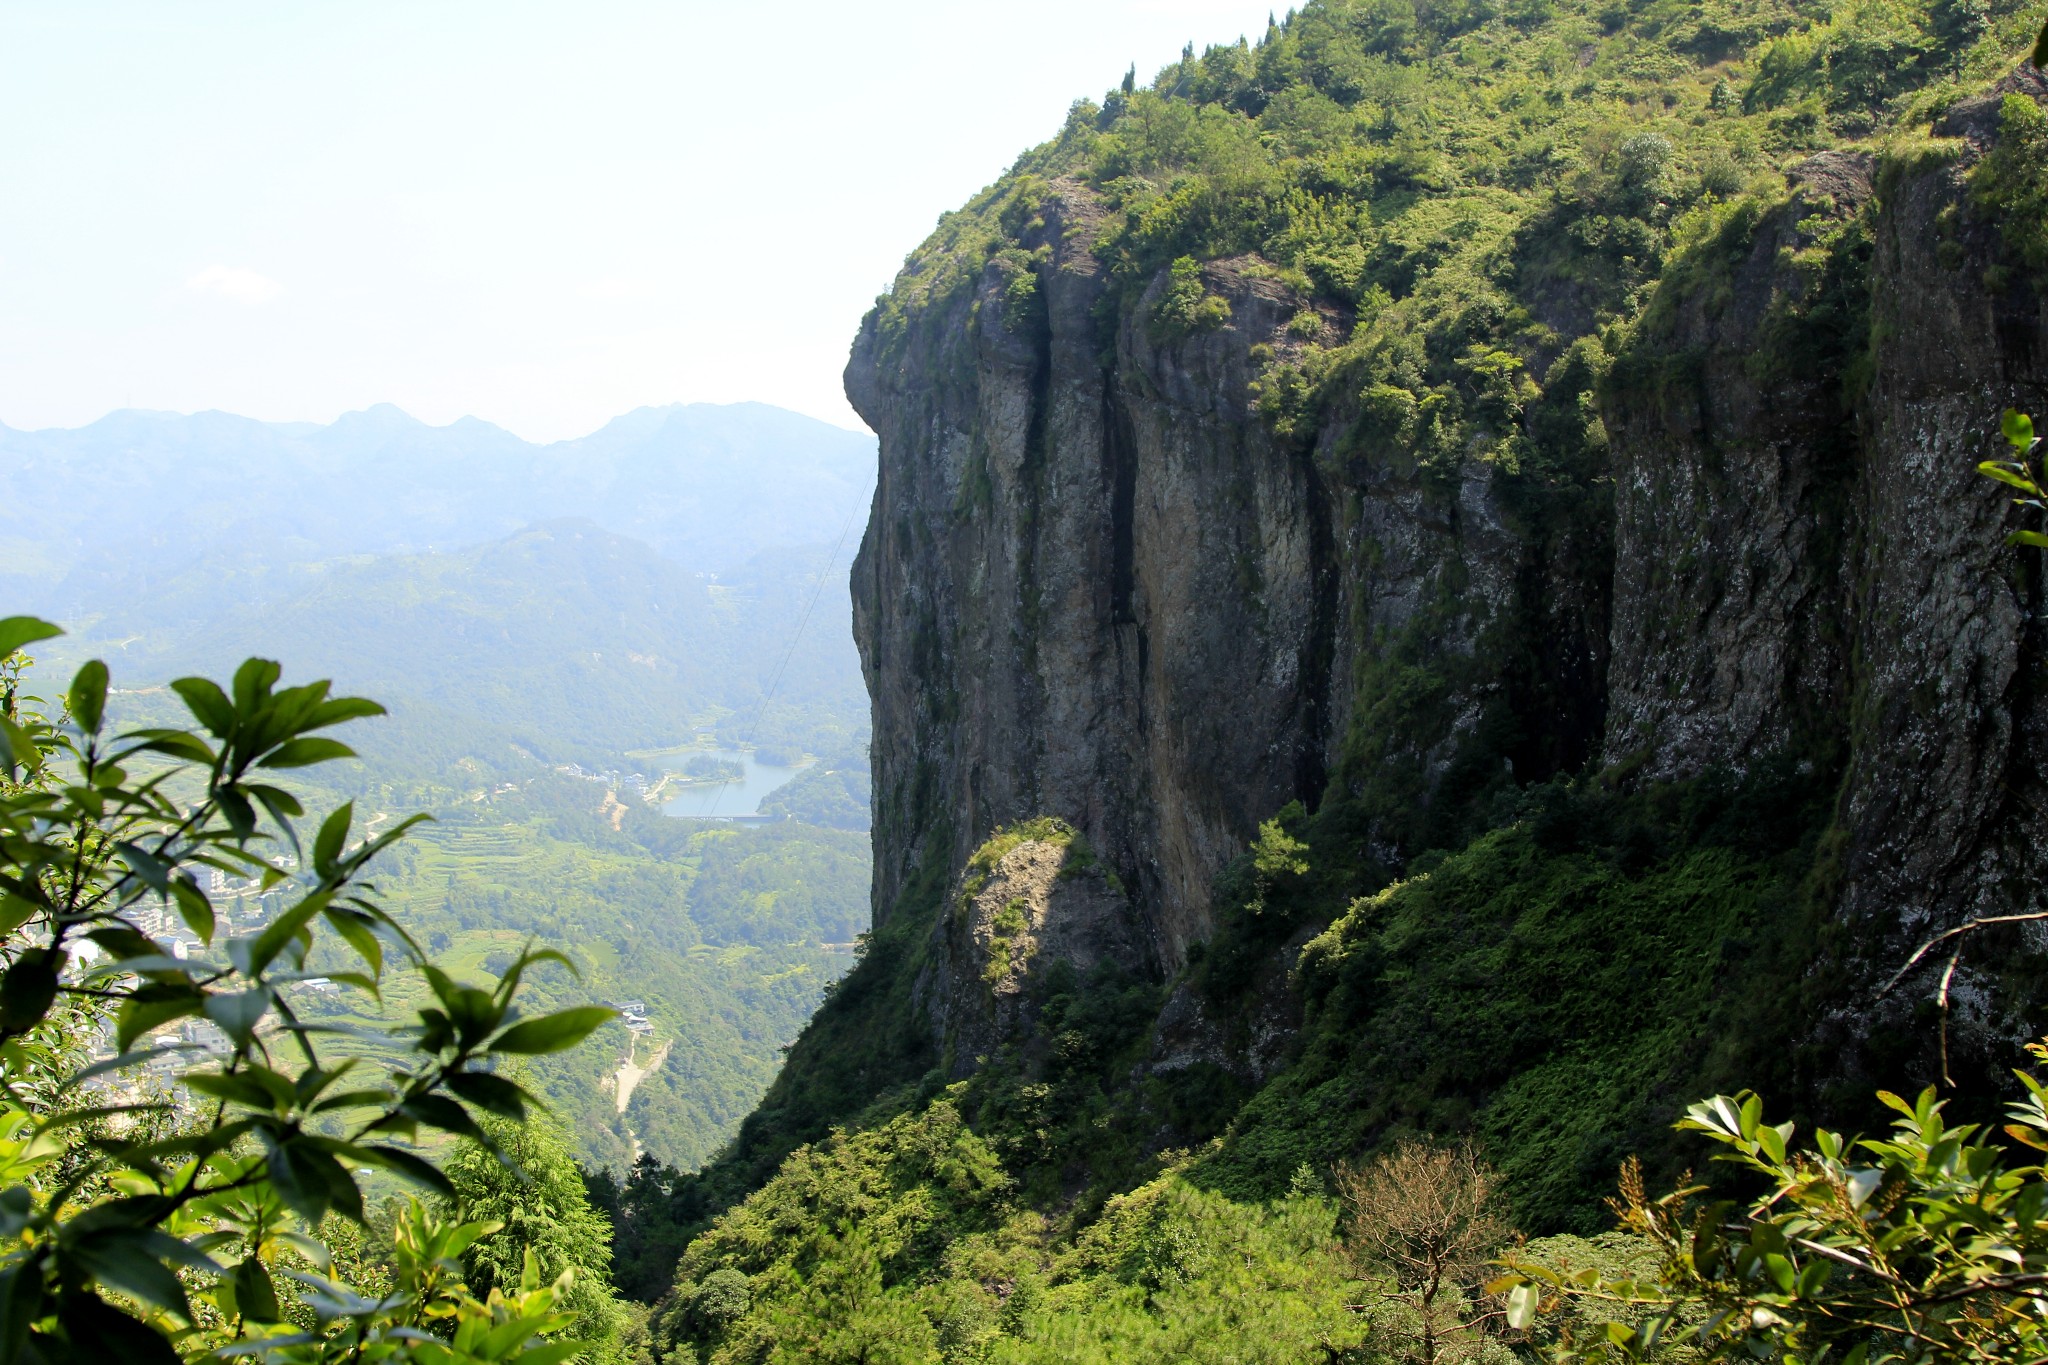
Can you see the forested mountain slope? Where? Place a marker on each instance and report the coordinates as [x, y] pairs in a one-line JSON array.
[[1428, 576], [564, 638]]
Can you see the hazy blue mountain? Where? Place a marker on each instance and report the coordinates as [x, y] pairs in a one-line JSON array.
[[665, 573], [564, 638], [234, 503]]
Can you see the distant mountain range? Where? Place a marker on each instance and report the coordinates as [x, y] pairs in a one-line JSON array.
[[708, 486], [682, 566]]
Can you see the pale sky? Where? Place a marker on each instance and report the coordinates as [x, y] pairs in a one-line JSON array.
[[539, 214]]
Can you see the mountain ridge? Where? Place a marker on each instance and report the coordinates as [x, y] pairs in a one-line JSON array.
[[711, 485]]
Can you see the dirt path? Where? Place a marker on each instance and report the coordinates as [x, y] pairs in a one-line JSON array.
[[631, 1074]]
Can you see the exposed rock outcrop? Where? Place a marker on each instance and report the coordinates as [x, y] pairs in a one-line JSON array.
[[1041, 905]]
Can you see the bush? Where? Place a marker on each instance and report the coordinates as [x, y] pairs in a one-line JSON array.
[[162, 1237]]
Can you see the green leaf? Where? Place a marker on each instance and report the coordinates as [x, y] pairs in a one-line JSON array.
[[282, 805], [1522, 1301], [204, 699], [153, 1006], [353, 926], [409, 1165], [253, 681], [154, 872], [193, 907], [339, 709], [332, 838], [19, 747], [116, 1260], [283, 930], [88, 697], [302, 1186], [303, 753], [255, 1295], [508, 984], [2008, 473], [174, 743], [552, 1353], [2033, 538], [28, 989], [492, 1094], [553, 1032], [438, 1111], [18, 631], [1779, 1268], [122, 940], [15, 911], [2018, 429], [21, 1303], [238, 1013], [232, 1088], [100, 1331]]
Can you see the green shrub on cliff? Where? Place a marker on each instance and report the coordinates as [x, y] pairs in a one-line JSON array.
[[1184, 306], [530, 1187], [2011, 182]]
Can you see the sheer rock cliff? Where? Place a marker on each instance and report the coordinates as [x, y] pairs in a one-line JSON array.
[[1100, 583]]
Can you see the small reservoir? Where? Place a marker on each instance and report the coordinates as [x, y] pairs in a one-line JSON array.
[[738, 799]]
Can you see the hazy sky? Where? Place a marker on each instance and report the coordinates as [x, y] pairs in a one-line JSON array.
[[540, 214]]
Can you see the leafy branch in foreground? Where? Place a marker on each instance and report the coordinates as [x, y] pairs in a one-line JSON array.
[[1923, 1246], [121, 1230]]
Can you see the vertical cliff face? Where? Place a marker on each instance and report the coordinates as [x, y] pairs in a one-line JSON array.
[[1734, 469], [1094, 584], [1947, 728], [1101, 584], [1808, 560]]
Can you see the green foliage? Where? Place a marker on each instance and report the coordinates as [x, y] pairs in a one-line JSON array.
[[1058, 1109], [1008, 925], [1928, 1245], [842, 1223], [1185, 306], [2011, 183], [905, 1243], [1511, 965], [527, 1184], [104, 839], [833, 793], [1276, 855]]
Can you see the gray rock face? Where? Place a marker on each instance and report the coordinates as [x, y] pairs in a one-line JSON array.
[[1946, 769], [1094, 585], [1731, 481], [1036, 907], [1788, 578]]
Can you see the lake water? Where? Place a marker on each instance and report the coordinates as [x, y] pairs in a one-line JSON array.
[[726, 800]]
